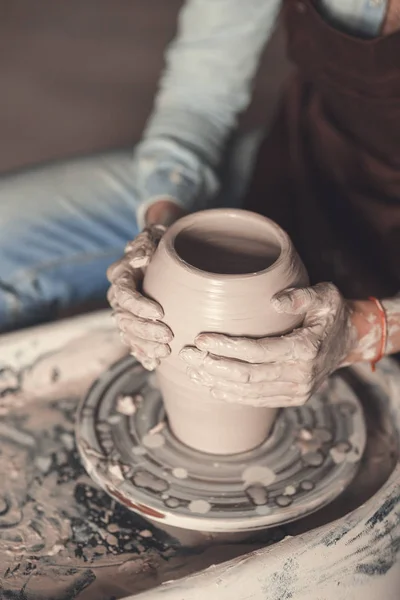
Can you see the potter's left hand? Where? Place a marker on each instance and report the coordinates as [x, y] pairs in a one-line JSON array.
[[278, 371], [139, 317]]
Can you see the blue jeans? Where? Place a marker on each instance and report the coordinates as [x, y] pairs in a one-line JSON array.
[[62, 225]]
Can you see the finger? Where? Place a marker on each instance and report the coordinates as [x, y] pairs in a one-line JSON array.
[[247, 390], [140, 251], [259, 390], [126, 295], [136, 304], [264, 402], [148, 363], [215, 365], [300, 345], [233, 370], [201, 378], [142, 241], [275, 395], [150, 236], [145, 347], [154, 331], [124, 268], [192, 356], [140, 259], [246, 349], [111, 297], [118, 269], [137, 255], [301, 300]]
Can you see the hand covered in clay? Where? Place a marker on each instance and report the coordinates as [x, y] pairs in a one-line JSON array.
[[278, 371], [137, 316]]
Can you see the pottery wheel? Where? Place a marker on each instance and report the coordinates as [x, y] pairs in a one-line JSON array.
[[128, 449]]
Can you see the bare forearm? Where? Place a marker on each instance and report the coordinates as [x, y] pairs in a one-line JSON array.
[[368, 328], [163, 212]]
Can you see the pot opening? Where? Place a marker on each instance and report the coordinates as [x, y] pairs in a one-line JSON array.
[[228, 246]]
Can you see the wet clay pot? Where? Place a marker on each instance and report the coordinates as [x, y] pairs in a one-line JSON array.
[[216, 271]]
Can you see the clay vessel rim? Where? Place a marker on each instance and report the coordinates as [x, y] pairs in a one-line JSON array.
[[281, 237]]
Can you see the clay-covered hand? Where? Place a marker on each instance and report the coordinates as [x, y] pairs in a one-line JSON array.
[[138, 317], [278, 371]]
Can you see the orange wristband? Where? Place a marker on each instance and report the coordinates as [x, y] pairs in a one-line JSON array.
[[384, 328]]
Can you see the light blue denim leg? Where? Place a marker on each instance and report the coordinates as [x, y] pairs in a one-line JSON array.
[[60, 228]]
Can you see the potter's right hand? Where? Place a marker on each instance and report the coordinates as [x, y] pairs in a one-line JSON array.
[[138, 317]]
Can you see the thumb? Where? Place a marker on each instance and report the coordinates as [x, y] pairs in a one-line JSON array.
[[295, 301], [141, 259], [142, 248]]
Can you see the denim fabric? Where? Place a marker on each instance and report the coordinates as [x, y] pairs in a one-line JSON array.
[[60, 228], [62, 225]]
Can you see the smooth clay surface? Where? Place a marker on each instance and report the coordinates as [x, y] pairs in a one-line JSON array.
[[216, 271]]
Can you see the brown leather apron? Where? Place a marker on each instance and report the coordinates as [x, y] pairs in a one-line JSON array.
[[329, 171]]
